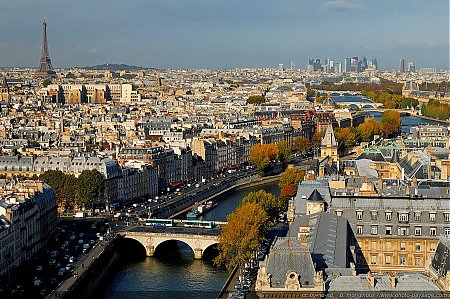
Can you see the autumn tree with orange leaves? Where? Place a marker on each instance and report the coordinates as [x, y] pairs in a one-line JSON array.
[[261, 155], [238, 241]]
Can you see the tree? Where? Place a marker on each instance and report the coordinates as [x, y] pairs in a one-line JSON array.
[[70, 189], [55, 178], [271, 205], [391, 121], [238, 241], [46, 82], [90, 187], [284, 152], [262, 154], [256, 99], [34, 143], [316, 140], [369, 128], [302, 145], [288, 191], [291, 176], [345, 137]]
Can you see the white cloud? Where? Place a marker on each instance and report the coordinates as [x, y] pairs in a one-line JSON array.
[[340, 5]]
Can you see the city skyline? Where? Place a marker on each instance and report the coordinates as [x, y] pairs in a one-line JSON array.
[[174, 34]]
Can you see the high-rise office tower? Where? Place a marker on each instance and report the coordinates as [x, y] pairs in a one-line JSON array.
[[411, 67], [402, 65], [364, 64], [45, 69], [375, 63], [281, 67], [354, 64], [347, 65]]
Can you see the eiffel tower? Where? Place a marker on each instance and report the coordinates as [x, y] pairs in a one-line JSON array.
[[45, 69]]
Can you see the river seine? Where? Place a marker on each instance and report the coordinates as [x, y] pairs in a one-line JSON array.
[[173, 272]]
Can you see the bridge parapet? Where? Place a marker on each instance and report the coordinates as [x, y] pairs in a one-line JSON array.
[[151, 240]]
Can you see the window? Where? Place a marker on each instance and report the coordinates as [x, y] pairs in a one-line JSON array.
[[432, 247], [418, 261], [403, 231], [402, 260], [373, 259], [359, 215], [359, 230], [338, 213], [374, 230], [447, 217], [403, 246], [374, 245], [403, 217], [388, 245], [388, 216], [433, 231], [447, 232], [373, 215], [432, 216], [417, 246], [418, 231], [417, 216], [388, 259], [388, 230]]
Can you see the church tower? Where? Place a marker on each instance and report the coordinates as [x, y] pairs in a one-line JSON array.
[[329, 146]]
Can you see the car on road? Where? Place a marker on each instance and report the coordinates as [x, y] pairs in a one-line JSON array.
[[159, 226]]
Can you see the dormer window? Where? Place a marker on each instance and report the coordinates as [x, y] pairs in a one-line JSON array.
[[359, 215], [403, 217], [388, 216]]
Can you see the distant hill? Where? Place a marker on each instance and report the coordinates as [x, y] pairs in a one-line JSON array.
[[116, 67]]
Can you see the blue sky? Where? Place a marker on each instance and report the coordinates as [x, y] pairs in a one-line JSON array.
[[224, 34]]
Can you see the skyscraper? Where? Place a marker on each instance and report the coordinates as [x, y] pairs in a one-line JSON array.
[[354, 64], [45, 69], [347, 65], [402, 65], [411, 67]]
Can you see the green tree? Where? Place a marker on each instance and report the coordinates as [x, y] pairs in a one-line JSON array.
[[256, 99], [261, 155], [271, 205], [34, 143], [90, 187], [55, 178], [70, 189], [302, 145], [284, 152], [46, 82], [238, 241]]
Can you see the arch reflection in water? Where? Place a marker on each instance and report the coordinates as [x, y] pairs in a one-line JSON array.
[[171, 273]]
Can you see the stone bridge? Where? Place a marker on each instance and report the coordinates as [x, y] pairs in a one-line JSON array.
[[198, 240], [361, 105]]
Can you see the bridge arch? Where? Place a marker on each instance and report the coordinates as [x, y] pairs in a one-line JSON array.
[[367, 106], [198, 243]]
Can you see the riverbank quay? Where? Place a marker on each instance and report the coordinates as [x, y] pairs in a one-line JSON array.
[[244, 183], [434, 119], [89, 272]]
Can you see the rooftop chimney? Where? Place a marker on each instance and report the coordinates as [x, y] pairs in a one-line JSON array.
[[392, 280], [371, 279]]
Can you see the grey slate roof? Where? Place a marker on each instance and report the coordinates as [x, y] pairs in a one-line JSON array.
[[328, 239], [287, 255], [304, 190]]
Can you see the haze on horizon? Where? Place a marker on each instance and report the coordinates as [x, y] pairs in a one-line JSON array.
[[185, 34]]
